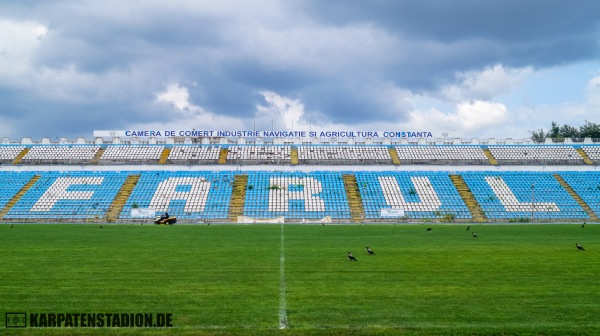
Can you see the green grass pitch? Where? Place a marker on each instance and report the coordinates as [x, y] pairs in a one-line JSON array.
[[227, 279]]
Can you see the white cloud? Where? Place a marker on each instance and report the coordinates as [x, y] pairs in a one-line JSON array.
[[593, 96], [281, 111], [176, 95], [470, 118], [19, 41], [486, 84], [189, 116]]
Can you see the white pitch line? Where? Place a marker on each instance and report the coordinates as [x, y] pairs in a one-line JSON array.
[[283, 321]]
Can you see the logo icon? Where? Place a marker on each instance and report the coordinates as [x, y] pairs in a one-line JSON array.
[[16, 320]]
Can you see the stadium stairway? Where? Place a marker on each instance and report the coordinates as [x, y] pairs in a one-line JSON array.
[[238, 197], [576, 197], [18, 196], [294, 155], [357, 211], [223, 156], [98, 155], [585, 157], [164, 156], [468, 198], [489, 155], [394, 155], [21, 155], [119, 202]]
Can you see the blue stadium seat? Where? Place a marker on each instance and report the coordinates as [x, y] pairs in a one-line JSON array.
[[420, 194], [296, 195]]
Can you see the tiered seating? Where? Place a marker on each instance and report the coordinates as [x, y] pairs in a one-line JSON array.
[[259, 154], [587, 186], [9, 153], [536, 155], [441, 155], [420, 194], [508, 196], [11, 183], [296, 195], [61, 154], [195, 196], [307, 154], [68, 195], [344, 155], [194, 155], [593, 152], [131, 154]]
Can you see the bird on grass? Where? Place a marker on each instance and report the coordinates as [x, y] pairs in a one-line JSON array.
[[12, 225], [475, 235], [579, 247], [428, 229], [351, 257], [370, 251], [468, 228], [101, 226], [583, 225]]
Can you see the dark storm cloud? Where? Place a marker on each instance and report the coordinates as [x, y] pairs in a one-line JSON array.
[[347, 61], [509, 21]]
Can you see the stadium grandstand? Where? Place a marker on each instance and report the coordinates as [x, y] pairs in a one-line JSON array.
[[345, 180]]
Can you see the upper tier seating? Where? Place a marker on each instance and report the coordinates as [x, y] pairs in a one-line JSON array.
[[420, 194], [131, 154], [593, 152], [536, 155], [441, 155], [84, 154], [9, 153], [509, 195], [259, 154], [193, 154], [344, 155], [61, 154]]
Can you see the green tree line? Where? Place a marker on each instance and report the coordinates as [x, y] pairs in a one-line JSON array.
[[587, 130]]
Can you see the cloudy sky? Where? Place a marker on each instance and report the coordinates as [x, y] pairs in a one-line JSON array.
[[471, 68]]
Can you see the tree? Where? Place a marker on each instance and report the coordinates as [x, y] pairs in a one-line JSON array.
[[554, 131], [587, 130], [538, 136], [567, 131]]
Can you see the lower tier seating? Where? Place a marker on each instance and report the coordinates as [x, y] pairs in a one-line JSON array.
[[196, 196], [522, 195]]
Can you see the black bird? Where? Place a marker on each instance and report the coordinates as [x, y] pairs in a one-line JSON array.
[[428, 229], [475, 235], [351, 257], [583, 225], [12, 225], [101, 226], [370, 251], [468, 228], [579, 247]]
